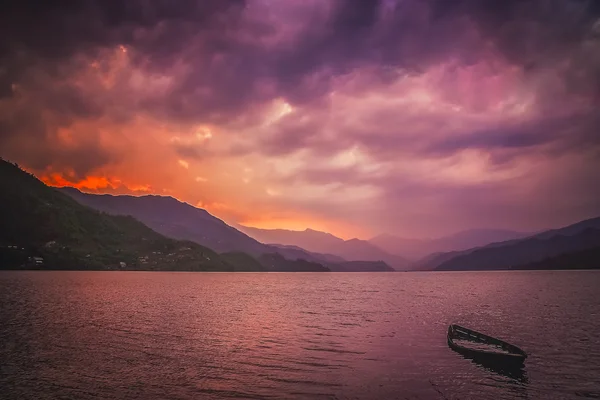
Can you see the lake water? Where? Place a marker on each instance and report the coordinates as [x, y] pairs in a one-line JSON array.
[[137, 335]]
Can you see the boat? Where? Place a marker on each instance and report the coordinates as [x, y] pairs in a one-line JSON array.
[[484, 348]]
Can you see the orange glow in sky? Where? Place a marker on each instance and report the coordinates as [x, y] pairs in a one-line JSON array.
[[356, 131], [92, 183]]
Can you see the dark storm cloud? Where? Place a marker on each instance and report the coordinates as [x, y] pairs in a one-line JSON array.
[[40, 150], [43, 34], [44, 44], [211, 35], [229, 65], [553, 133], [555, 38], [528, 30], [60, 28], [538, 33], [554, 198]]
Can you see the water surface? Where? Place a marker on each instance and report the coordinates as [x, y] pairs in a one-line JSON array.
[[137, 335]]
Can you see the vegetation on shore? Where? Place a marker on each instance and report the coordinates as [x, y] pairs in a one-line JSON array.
[[45, 229]]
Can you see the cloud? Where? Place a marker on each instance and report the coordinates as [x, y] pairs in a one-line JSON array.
[[338, 106], [92, 184], [183, 164]]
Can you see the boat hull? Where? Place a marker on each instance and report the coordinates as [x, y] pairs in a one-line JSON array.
[[511, 355]]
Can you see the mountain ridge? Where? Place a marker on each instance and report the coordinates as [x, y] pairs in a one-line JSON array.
[[174, 218], [325, 243], [46, 229], [520, 253]]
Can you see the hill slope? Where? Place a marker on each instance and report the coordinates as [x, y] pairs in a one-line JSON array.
[[173, 218], [179, 220], [583, 259], [276, 262], [39, 221], [529, 251], [243, 262]]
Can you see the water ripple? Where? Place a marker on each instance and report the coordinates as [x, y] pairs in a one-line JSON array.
[[95, 335]]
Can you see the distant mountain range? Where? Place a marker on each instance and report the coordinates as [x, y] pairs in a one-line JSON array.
[[44, 228], [326, 243], [418, 248], [387, 248], [179, 220], [566, 247]]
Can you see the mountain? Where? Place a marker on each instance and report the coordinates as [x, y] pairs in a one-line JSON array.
[[361, 250], [180, 220], [433, 260], [45, 229], [243, 262], [417, 248], [520, 253], [570, 230], [276, 262], [411, 248], [326, 243], [173, 218], [583, 259], [338, 264], [298, 252]]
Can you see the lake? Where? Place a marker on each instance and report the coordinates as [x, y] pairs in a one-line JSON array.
[[158, 335]]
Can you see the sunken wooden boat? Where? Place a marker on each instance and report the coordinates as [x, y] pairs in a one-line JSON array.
[[478, 346]]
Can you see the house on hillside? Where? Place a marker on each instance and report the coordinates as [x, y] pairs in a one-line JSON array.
[[37, 260]]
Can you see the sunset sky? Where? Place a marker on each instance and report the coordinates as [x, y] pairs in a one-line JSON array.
[[413, 117]]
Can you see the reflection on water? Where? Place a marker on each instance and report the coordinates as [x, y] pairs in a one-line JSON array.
[[517, 372], [134, 335]]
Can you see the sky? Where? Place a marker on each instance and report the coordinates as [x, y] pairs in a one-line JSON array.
[[412, 117]]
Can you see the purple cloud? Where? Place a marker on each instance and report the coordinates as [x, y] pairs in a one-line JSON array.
[[383, 102]]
